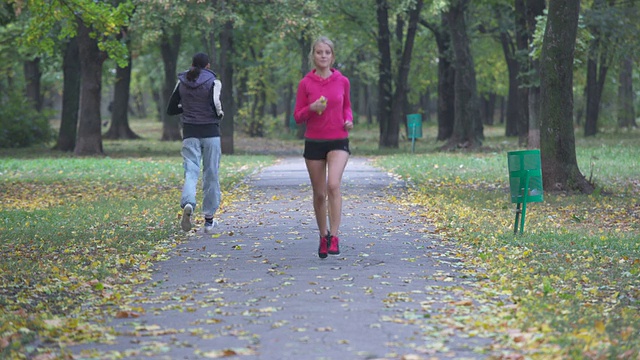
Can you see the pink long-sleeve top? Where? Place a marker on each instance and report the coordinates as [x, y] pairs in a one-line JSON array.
[[330, 124]]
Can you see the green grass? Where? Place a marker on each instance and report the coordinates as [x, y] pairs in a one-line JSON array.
[[574, 274], [77, 233]]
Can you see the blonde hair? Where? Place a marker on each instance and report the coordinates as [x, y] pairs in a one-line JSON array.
[[321, 40]]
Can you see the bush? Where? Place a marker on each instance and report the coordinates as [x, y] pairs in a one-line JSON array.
[[265, 126], [21, 125], [250, 126]]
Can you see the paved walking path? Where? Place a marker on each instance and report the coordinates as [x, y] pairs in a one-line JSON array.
[[257, 289]]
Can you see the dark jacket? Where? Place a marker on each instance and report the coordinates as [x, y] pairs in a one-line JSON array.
[[198, 101]]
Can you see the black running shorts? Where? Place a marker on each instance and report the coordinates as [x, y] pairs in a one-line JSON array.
[[318, 149]]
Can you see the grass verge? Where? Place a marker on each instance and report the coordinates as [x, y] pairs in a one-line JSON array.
[[573, 277], [77, 234]]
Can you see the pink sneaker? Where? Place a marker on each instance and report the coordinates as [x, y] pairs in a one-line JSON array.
[[322, 249], [334, 247]]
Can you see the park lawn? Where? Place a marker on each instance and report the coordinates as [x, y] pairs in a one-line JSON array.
[[569, 286], [77, 234]]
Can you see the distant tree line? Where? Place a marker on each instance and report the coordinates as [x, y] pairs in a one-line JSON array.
[[464, 63]]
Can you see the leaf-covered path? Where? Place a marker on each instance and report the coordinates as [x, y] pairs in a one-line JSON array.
[[257, 289]]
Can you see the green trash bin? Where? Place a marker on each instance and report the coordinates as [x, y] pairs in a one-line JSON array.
[[414, 129], [414, 126], [525, 182]]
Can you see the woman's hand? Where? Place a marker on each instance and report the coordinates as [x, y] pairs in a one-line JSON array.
[[319, 105], [348, 125]]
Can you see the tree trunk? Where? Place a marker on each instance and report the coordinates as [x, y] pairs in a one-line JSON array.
[[140, 109], [288, 111], [557, 142], [581, 110], [119, 128], [424, 104], [596, 74], [626, 110], [170, 49], [369, 94], [384, 72], [32, 75], [70, 97], [157, 100], [398, 106], [228, 104], [467, 127], [304, 45], [533, 140], [446, 78], [514, 106], [446, 86], [358, 100], [534, 8], [524, 66], [89, 140], [502, 109], [488, 108], [212, 41]]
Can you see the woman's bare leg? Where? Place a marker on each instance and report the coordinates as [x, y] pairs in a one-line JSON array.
[[318, 175], [336, 163]]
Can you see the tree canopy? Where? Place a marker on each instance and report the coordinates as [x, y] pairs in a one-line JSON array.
[[464, 63]]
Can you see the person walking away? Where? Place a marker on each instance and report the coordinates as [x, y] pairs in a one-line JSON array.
[[197, 98], [323, 103]]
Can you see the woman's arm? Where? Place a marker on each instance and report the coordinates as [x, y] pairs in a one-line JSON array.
[[174, 107], [301, 110], [347, 114], [217, 104]]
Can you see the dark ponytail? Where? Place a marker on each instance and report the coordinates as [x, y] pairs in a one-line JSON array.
[[199, 62]]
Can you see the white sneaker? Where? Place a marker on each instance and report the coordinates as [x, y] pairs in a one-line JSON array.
[[208, 226], [186, 217]]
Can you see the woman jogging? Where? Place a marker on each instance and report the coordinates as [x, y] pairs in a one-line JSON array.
[[323, 103], [197, 97]]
